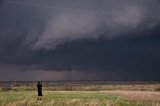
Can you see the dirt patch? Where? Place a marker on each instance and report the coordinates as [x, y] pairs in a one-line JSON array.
[[148, 96]]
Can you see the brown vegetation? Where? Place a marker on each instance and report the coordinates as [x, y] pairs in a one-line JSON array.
[[86, 87], [141, 96]]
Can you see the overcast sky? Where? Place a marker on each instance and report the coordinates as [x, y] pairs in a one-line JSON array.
[[80, 40]]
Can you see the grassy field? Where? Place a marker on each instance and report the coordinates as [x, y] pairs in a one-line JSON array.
[[80, 94], [63, 98]]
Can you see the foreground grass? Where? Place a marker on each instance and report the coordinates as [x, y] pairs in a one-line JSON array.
[[63, 98]]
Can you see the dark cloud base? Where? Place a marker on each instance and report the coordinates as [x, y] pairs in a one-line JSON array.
[[133, 55], [130, 59]]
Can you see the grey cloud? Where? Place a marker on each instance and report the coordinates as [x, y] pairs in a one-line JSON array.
[[35, 39], [72, 22], [66, 27]]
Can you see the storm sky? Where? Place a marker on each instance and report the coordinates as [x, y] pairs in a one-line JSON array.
[[80, 40]]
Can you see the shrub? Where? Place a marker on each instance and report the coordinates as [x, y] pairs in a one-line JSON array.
[[157, 89], [6, 88]]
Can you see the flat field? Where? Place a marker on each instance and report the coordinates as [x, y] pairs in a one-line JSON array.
[[81, 94]]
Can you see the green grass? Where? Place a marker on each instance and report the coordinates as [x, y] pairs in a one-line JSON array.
[[63, 98]]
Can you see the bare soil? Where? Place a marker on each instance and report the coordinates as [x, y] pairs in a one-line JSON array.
[[142, 96]]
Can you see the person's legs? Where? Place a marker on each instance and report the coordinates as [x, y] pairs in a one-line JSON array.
[[40, 97]]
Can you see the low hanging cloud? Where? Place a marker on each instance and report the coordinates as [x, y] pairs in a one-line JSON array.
[[68, 23], [80, 37], [67, 27]]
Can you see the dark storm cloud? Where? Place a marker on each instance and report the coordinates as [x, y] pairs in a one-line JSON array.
[[114, 40]]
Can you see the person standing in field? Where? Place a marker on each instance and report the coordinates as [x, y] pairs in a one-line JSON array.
[[39, 89]]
